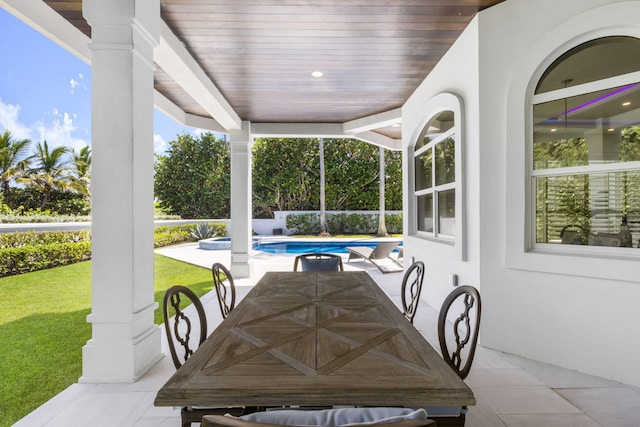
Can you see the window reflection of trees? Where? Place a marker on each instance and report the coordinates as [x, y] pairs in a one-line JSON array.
[[596, 203]]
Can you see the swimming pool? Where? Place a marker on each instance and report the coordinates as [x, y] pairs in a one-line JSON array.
[[291, 247]]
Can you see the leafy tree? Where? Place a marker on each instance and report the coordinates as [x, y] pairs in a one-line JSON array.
[[50, 171], [286, 175], [193, 180], [393, 180], [353, 175], [630, 152], [13, 160], [81, 177]]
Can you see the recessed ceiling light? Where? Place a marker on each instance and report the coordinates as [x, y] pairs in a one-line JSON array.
[[611, 129], [317, 74], [625, 104], [553, 130]]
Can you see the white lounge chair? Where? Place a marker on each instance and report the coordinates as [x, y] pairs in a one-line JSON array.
[[380, 256]]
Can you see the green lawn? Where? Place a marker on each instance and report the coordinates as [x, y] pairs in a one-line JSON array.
[[43, 328]]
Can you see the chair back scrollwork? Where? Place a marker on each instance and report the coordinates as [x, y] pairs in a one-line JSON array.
[[411, 289], [177, 324], [226, 292], [458, 348]]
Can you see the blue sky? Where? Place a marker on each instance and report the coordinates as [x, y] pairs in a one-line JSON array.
[[45, 92]]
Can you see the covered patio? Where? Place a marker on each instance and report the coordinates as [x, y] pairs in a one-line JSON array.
[[382, 72], [247, 69]]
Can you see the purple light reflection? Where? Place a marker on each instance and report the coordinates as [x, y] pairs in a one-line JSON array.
[[593, 101]]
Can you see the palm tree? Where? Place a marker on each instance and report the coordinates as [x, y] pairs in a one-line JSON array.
[[81, 177], [13, 160], [50, 172], [324, 229], [382, 227]]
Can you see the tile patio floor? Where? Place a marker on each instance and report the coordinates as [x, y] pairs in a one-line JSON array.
[[510, 390]]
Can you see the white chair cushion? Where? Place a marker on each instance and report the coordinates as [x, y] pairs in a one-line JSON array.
[[337, 417]]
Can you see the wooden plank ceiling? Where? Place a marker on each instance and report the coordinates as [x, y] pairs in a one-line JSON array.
[[260, 53]]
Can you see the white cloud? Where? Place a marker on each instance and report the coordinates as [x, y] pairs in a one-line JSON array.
[[159, 144], [10, 120], [74, 84], [77, 83], [60, 132]]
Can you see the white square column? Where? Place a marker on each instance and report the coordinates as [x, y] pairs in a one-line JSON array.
[[125, 342], [241, 205]]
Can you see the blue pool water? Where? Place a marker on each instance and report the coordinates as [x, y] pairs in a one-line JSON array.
[[310, 247]]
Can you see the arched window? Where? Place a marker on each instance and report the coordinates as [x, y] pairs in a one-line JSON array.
[[435, 176], [585, 152]]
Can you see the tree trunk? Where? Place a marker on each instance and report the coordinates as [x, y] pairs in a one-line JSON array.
[[324, 230], [382, 227], [45, 197]]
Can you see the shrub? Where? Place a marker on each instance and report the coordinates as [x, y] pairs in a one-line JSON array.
[[21, 216], [36, 238], [202, 230], [60, 202], [337, 223], [306, 223], [22, 252], [393, 223], [32, 258], [358, 223], [166, 235], [343, 223]]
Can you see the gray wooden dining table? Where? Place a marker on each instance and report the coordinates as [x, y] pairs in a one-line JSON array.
[[315, 339]]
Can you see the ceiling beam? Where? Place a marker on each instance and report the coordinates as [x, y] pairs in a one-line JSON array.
[[46, 21], [379, 140], [177, 62], [298, 130], [170, 109], [374, 121]]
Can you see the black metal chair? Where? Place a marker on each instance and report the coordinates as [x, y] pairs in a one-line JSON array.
[[411, 289], [463, 328], [179, 330], [177, 324], [226, 293], [318, 262]]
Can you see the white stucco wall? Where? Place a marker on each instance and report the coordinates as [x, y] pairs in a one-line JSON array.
[[573, 311], [461, 80]]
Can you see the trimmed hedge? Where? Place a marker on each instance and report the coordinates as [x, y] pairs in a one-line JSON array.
[[343, 223], [27, 251], [36, 238], [32, 258]]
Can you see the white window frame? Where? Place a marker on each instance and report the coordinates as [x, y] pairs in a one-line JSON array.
[[451, 245], [559, 94], [436, 189]]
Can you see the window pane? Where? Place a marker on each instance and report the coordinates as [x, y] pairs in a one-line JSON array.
[[589, 209], [447, 212], [445, 162], [436, 127], [594, 128], [425, 213], [584, 63], [424, 166]]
